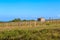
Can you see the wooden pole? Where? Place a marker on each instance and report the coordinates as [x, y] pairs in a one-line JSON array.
[[35, 23]]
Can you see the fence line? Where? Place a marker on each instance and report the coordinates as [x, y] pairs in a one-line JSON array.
[[26, 23]]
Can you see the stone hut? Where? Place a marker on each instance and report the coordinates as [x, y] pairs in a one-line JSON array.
[[41, 19]]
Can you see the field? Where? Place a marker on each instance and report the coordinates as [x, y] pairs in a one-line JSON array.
[[30, 30]]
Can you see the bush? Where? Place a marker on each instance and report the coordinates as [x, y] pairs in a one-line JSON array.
[[16, 20]]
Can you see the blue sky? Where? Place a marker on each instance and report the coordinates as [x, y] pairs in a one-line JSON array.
[[29, 9]]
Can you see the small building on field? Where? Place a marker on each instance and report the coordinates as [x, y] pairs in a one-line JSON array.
[[41, 19]]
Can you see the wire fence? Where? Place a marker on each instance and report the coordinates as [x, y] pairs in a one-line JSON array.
[[27, 23]]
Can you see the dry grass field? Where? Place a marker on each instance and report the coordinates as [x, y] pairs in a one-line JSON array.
[[30, 30], [30, 25]]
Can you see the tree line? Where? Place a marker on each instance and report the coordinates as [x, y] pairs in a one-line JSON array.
[[18, 20]]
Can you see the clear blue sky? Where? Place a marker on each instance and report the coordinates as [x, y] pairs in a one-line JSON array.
[[29, 9]]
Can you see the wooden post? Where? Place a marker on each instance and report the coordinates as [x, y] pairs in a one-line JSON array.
[[30, 24], [35, 23]]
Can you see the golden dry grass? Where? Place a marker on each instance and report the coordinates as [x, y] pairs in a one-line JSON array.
[[30, 31], [30, 25]]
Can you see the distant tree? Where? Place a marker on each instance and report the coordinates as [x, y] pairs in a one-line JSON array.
[[28, 20], [24, 20], [32, 20], [16, 20]]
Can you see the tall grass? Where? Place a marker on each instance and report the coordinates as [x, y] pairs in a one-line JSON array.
[[42, 31], [45, 34]]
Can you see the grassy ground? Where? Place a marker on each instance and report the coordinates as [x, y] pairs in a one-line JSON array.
[[40, 31]]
